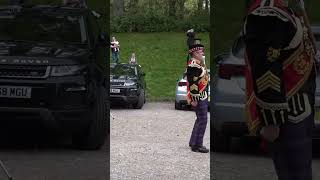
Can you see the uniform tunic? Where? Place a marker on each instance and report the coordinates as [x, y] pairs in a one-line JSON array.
[[197, 77], [281, 85]]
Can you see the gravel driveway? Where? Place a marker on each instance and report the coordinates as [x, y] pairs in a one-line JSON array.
[[29, 153], [152, 143]]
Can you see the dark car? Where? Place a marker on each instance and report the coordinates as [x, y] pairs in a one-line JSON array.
[[52, 67], [127, 84]]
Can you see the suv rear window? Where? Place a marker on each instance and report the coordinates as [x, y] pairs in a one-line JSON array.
[[123, 70], [43, 28]]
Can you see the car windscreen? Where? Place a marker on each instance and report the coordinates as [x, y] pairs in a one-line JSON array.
[[43, 28], [123, 70]]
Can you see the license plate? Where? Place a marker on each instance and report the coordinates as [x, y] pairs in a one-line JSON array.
[[114, 90], [15, 92]]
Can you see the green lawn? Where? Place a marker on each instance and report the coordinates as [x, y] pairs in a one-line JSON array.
[[162, 57]]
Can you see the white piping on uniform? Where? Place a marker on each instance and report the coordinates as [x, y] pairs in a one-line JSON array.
[[305, 114], [272, 3], [262, 3]]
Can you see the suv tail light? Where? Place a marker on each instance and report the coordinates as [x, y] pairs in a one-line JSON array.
[[226, 71], [182, 83]]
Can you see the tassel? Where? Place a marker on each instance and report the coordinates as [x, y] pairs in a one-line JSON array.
[[299, 103], [273, 117], [289, 109], [264, 117], [294, 106], [282, 115]]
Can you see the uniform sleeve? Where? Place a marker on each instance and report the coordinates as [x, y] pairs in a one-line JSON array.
[[194, 73], [265, 37]]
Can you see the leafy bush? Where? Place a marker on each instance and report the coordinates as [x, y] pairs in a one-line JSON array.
[[153, 22]]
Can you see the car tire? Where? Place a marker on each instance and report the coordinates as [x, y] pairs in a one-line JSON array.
[[177, 106], [94, 136], [141, 100], [221, 142]]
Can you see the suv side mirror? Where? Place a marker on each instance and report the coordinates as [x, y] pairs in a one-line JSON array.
[[103, 39], [96, 14]]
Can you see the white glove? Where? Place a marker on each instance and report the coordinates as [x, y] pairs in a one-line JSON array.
[[270, 133]]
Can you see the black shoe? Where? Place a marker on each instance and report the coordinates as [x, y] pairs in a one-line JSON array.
[[201, 149]]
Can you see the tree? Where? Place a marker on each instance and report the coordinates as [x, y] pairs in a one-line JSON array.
[[158, 15], [181, 8], [132, 6], [200, 5], [172, 8], [118, 7], [207, 5]]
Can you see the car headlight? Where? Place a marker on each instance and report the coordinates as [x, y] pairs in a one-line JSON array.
[[66, 70], [129, 83]]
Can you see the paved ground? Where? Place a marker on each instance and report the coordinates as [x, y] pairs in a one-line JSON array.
[[245, 162], [152, 143], [33, 154]]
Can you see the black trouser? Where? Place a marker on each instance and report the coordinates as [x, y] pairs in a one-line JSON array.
[[292, 151], [200, 125]]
